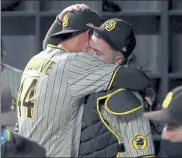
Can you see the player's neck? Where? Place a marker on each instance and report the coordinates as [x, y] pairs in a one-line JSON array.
[[68, 46], [72, 45]]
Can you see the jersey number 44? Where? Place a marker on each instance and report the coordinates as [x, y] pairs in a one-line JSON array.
[[26, 94]]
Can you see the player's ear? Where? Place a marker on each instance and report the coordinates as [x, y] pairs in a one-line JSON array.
[[119, 60]]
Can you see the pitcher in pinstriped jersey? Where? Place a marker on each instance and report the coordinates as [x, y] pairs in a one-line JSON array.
[[107, 54], [53, 89]]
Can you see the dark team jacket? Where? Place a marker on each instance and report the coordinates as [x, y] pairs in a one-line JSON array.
[[97, 140], [13, 145]]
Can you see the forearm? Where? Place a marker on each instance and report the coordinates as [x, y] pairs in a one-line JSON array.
[[55, 27]]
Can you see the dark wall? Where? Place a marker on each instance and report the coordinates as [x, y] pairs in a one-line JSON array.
[[157, 24]]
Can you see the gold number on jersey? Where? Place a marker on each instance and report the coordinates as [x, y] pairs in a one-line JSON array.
[[26, 95]]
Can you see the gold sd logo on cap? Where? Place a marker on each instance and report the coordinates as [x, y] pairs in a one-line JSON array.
[[110, 26], [65, 20]]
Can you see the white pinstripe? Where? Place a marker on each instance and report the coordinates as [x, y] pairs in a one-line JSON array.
[[12, 77], [129, 126], [59, 96]]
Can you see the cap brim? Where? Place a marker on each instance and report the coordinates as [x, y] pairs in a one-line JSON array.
[[8, 119], [103, 35], [97, 29], [62, 34], [159, 116]]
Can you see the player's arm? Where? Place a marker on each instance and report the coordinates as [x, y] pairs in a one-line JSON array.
[[135, 130], [55, 27], [88, 74], [57, 24], [124, 112], [138, 138]]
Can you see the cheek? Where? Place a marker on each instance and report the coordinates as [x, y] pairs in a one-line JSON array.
[[86, 48], [108, 58], [105, 58]]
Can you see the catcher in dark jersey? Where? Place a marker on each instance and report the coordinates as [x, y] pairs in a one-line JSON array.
[[141, 130]]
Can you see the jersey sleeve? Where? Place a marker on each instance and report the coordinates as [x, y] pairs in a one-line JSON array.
[[55, 27], [88, 74], [133, 131], [136, 135]]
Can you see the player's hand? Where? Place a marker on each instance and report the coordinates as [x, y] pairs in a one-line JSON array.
[[73, 8]]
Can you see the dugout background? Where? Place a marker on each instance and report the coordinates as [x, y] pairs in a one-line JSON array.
[[157, 24]]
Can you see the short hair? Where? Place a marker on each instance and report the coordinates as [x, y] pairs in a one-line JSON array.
[[118, 53]]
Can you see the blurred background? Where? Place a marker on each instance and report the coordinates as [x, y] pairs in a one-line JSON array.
[[157, 24]]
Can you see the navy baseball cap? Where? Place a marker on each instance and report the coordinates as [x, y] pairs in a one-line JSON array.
[[75, 22], [7, 116], [118, 34], [172, 109]]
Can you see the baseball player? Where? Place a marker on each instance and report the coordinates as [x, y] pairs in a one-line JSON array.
[[101, 49], [11, 144], [170, 115], [47, 101], [55, 83], [171, 143], [10, 76], [110, 44]]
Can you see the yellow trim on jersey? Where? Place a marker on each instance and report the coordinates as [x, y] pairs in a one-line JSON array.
[[54, 46], [113, 77], [119, 113], [107, 126]]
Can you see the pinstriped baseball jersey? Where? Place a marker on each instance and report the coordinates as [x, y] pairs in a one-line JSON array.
[[130, 128], [12, 77], [54, 85], [127, 127]]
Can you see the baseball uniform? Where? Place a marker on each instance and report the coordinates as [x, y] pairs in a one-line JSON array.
[[53, 86], [134, 132], [12, 77], [131, 129]]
